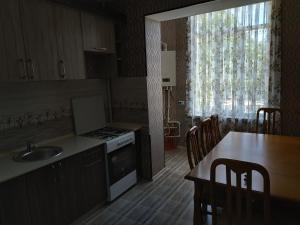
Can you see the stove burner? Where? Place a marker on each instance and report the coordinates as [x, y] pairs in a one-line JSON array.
[[106, 133]]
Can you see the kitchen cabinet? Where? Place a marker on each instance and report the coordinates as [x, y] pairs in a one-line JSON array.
[[70, 43], [71, 185], [98, 33], [58, 193], [13, 202], [55, 192], [12, 53], [44, 196], [94, 167], [143, 151], [40, 40]]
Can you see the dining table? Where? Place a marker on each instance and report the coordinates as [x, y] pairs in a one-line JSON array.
[[280, 155]]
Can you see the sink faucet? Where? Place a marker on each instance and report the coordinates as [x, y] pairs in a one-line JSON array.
[[30, 146]]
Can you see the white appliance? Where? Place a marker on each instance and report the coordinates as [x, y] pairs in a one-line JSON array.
[[120, 155], [168, 68]]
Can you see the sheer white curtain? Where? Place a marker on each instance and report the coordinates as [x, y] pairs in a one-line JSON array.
[[230, 61]]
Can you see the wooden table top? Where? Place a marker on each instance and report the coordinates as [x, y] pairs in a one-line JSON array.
[[280, 155]]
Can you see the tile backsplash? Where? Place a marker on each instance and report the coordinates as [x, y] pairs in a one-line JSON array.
[[41, 110], [34, 118], [129, 100]]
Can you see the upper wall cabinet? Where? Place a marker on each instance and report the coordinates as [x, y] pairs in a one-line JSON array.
[[98, 33], [40, 39], [70, 43], [12, 54]]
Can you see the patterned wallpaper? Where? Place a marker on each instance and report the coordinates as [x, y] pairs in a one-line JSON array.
[[134, 50], [174, 34], [134, 32], [155, 101], [290, 79]]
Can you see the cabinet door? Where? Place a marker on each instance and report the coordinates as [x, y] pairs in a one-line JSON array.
[[98, 33], [13, 202], [94, 178], [40, 39], [70, 177], [70, 44], [12, 55], [44, 196]]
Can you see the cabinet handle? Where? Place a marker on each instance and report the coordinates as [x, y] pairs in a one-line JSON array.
[[93, 163], [23, 70], [101, 49], [62, 69], [32, 68]]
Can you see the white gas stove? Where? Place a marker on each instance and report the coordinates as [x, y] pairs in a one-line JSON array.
[[120, 155]]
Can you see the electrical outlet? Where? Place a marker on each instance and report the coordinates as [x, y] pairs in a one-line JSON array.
[[181, 102]]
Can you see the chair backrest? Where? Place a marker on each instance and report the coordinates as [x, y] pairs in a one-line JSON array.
[[216, 128], [194, 153], [270, 123], [234, 210], [206, 136]]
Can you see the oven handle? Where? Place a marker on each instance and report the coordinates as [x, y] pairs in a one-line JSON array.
[[124, 142]]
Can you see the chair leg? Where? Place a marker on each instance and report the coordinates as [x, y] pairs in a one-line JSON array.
[[198, 212], [204, 211]]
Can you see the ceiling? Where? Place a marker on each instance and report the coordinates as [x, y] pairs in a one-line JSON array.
[[105, 7]]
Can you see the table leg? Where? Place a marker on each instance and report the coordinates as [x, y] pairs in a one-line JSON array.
[[198, 216]]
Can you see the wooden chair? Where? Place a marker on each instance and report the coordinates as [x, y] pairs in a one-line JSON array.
[[216, 128], [195, 155], [233, 212], [206, 136], [194, 152], [269, 120]]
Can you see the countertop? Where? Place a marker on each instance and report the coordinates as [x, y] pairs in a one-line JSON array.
[[71, 145]]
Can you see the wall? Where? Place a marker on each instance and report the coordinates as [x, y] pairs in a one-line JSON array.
[[134, 32], [290, 105], [290, 80], [173, 32], [36, 111], [129, 100], [155, 101]]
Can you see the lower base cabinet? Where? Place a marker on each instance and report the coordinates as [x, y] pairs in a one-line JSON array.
[[44, 196], [14, 203], [94, 190], [56, 194]]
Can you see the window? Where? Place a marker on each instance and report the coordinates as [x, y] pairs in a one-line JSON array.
[[230, 61]]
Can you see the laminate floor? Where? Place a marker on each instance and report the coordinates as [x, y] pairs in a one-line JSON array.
[[168, 199]]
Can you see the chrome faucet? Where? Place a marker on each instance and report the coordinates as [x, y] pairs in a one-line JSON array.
[[30, 146]]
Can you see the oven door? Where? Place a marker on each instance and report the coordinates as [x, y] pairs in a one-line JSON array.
[[121, 162]]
